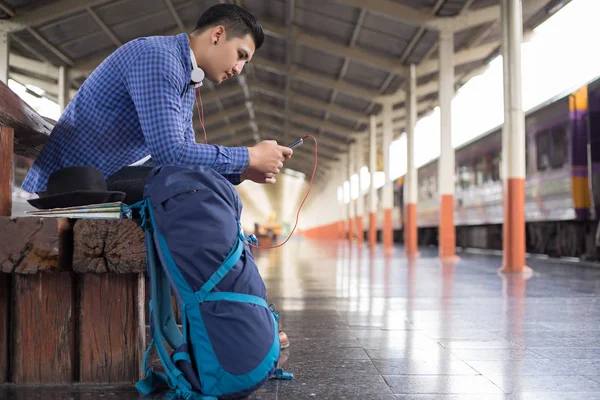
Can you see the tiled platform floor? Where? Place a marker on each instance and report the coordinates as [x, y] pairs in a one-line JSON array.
[[363, 326]]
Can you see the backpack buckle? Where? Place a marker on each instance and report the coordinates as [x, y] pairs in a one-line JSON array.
[[282, 375]]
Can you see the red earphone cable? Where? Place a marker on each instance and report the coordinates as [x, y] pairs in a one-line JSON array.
[[201, 115], [305, 197]]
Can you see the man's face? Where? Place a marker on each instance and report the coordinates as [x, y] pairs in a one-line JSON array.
[[228, 57]]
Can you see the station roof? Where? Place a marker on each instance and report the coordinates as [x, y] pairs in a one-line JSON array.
[[324, 68]]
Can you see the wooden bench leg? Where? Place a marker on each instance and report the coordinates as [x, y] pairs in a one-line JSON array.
[[4, 308], [6, 170], [109, 338], [42, 349]]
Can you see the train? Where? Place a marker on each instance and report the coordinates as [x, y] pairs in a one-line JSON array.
[[562, 185]]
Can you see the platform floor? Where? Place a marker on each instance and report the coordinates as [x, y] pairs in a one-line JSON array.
[[365, 326]]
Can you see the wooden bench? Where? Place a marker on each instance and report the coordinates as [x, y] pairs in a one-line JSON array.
[[72, 292]]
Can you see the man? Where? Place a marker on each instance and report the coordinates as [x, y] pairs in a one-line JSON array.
[[140, 100]]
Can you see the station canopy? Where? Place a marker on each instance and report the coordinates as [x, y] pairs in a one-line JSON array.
[[324, 68]]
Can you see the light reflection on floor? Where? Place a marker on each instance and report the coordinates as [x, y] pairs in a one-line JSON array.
[[366, 326]]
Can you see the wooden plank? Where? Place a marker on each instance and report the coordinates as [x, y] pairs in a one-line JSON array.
[[140, 298], [31, 245], [42, 347], [4, 318], [31, 131], [108, 333], [108, 246], [6, 170]]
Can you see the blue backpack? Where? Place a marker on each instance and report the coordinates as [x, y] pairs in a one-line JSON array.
[[229, 342]]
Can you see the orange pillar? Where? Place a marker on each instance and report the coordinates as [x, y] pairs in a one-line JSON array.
[[372, 229], [410, 230], [446, 167], [360, 231], [388, 231], [513, 139]]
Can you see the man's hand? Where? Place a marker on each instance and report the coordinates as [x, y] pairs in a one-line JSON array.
[[257, 177], [267, 157]]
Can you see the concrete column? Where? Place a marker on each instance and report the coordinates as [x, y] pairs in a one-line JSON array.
[[446, 167], [4, 52], [513, 139], [372, 191], [410, 183], [63, 87], [351, 210], [340, 178], [360, 201], [388, 191]]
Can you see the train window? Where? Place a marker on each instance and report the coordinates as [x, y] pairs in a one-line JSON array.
[[432, 187], [495, 173], [465, 176], [559, 147], [481, 171], [423, 192], [543, 150]]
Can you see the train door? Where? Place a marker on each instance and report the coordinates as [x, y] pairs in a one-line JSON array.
[[593, 148]]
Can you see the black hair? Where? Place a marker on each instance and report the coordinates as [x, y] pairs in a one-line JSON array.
[[237, 21]]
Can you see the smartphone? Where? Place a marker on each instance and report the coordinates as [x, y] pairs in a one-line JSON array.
[[296, 143]]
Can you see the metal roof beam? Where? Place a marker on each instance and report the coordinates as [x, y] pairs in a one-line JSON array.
[[48, 87], [50, 46], [328, 46], [104, 27], [309, 101], [54, 10], [316, 78], [414, 17], [311, 121], [175, 16], [30, 65], [461, 57], [220, 116], [469, 19], [7, 9], [225, 133], [401, 12]]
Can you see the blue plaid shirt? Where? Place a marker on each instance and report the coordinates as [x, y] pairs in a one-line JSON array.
[[138, 102]]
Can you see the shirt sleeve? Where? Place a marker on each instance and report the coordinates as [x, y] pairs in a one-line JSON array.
[[155, 82]]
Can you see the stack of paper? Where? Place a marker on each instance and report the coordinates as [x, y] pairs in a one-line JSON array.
[[104, 211]]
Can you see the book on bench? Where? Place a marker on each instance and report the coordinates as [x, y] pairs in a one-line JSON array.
[[104, 211]]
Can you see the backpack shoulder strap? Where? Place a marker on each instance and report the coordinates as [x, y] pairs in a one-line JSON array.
[[162, 322]]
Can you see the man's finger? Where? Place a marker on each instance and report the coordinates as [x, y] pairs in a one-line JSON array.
[[286, 150]]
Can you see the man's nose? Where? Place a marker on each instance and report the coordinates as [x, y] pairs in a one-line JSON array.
[[237, 68]]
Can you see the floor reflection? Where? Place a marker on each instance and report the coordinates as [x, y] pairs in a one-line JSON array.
[[363, 324]]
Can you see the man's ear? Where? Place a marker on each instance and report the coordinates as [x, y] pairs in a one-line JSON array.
[[218, 33]]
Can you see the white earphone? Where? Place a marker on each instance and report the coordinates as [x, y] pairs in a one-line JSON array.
[[197, 72]]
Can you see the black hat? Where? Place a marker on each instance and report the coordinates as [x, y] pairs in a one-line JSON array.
[[130, 180], [75, 186]]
